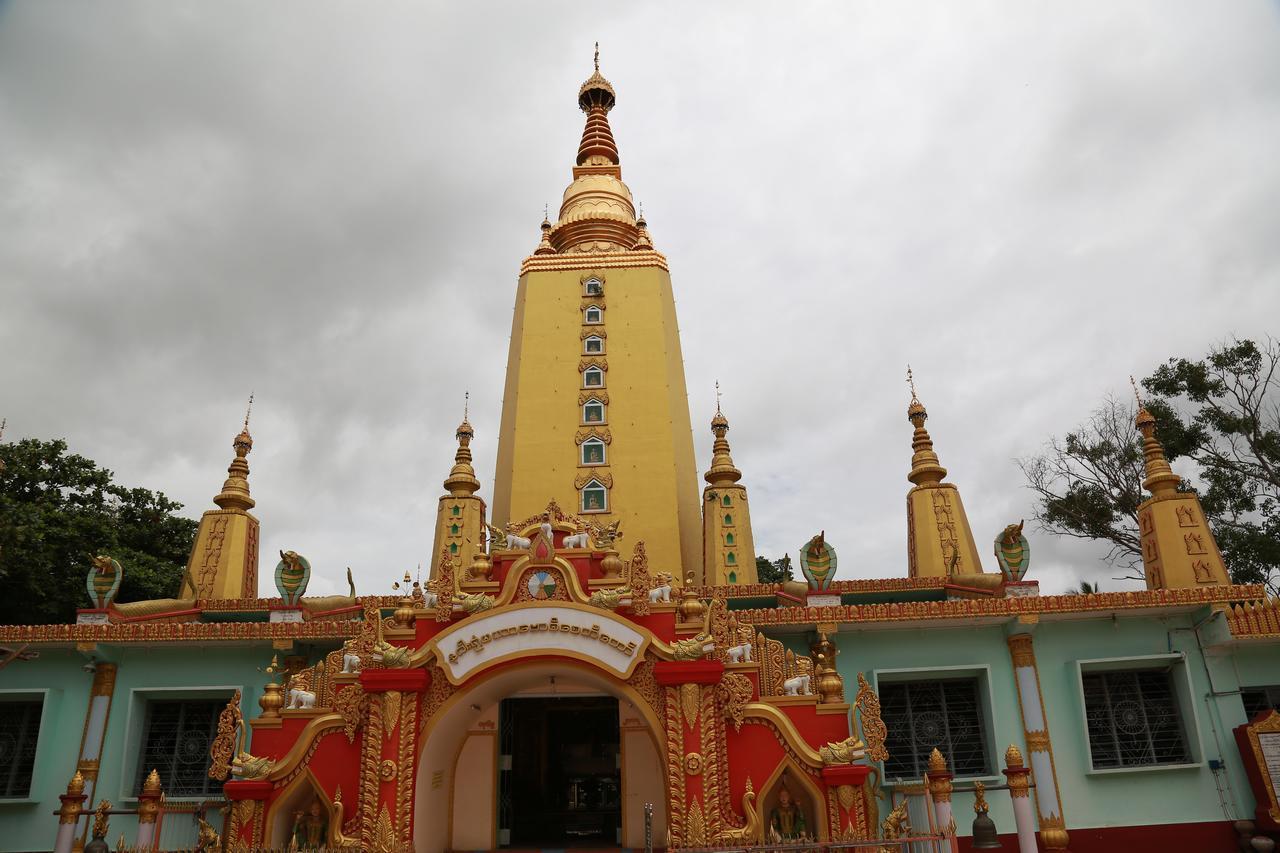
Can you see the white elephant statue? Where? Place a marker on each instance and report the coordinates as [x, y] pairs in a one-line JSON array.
[[430, 600], [300, 699], [740, 654], [578, 540], [351, 662], [797, 685], [661, 593]]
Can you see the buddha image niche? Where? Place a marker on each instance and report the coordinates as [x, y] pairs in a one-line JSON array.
[[786, 820], [310, 828]]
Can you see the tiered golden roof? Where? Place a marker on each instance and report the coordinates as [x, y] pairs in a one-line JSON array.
[[462, 477], [722, 472], [925, 467], [235, 491]]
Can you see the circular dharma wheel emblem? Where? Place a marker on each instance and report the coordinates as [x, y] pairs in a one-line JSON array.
[[388, 770], [693, 764]]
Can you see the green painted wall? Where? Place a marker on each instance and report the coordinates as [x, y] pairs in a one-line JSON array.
[[160, 672], [30, 824]]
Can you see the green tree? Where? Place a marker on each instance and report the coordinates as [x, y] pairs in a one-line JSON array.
[[1220, 415], [773, 571], [57, 508]]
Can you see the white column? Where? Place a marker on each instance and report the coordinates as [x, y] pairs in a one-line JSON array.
[[1052, 825]]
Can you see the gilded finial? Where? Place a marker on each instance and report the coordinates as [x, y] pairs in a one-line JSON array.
[[925, 467], [1160, 479], [717, 396], [1013, 756], [980, 798], [466, 405], [597, 59], [937, 764], [248, 410], [915, 408], [462, 477], [76, 785], [152, 783]]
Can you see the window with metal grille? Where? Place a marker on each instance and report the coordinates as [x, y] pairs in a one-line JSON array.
[[19, 731], [1259, 699], [943, 714], [176, 739], [1133, 719]]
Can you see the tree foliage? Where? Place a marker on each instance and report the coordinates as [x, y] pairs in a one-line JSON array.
[[773, 571], [58, 508], [1219, 415]]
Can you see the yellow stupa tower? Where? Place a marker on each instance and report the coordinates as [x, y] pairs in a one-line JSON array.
[[595, 412], [728, 550], [939, 541], [1178, 549], [224, 558], [460, 516]]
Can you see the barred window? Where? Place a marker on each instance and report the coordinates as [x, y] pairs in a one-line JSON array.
[[943, 714], [19, 731], [1133, 719], [176, 740], [1259, 699]]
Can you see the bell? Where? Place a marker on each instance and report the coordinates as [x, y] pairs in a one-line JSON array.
[[985, 834]]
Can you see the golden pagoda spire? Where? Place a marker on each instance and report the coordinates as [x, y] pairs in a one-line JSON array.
[[643, 242], [597, 214], [462, 477], [235, 491], [722, 472], [544, 245], [925, 468], [1160, 477]]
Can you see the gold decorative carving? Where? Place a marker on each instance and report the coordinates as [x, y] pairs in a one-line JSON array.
[[1022, 650], [352, 703], [404, 773], [695, 830], [1037, 741], [874, 730], [1269, 725], [601, 433], [693, 764], [369, 769], [690, 702], [846, 751], [639, 580], [734, 691], [751, 832], [1255, 618], [675, 775], [598, 362], [846, 794], [598, 395], [384, 834], [222, 750], [212, 555], [593, 331], [390, 712], [387, 770], [603, 478]]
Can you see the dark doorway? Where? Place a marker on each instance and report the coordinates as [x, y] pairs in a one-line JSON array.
[[560, 783]]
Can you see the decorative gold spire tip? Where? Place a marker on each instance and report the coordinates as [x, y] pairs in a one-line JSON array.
[[1144, 417], [248, 410], [597, 58], [915, 407]]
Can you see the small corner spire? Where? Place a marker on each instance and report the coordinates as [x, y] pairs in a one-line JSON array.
[[1160, 478], [925, 467], [722, 472], [235, 490], [462, 477]]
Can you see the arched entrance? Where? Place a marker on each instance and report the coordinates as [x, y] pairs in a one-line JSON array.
[[461, 761]]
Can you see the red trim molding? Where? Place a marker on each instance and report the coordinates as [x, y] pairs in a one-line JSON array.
[[402, 680], [671, 672]]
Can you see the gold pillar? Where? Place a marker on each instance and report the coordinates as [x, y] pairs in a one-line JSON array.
[[1035, 725]]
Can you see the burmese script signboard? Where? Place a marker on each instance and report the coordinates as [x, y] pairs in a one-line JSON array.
[[567, 630], [1259, 743]]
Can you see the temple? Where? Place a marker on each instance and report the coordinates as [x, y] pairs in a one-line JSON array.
[[593, 660]]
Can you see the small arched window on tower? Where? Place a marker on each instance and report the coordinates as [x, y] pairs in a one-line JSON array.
[[593, 316], [593, 452], [453, 548], [593, 412], [593, 287], [457, 510], [594, 497], [730, 559], [728, 539], [593, 345], [728, 520], [453, 530], [726, 501], [733, 577], [593, 377]]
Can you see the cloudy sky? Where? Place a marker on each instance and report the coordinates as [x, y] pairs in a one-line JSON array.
[[327, 204]]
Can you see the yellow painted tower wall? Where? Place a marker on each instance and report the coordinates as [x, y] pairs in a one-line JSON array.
[[721, 539], [224, 559], [649, 458], [460, 523]]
